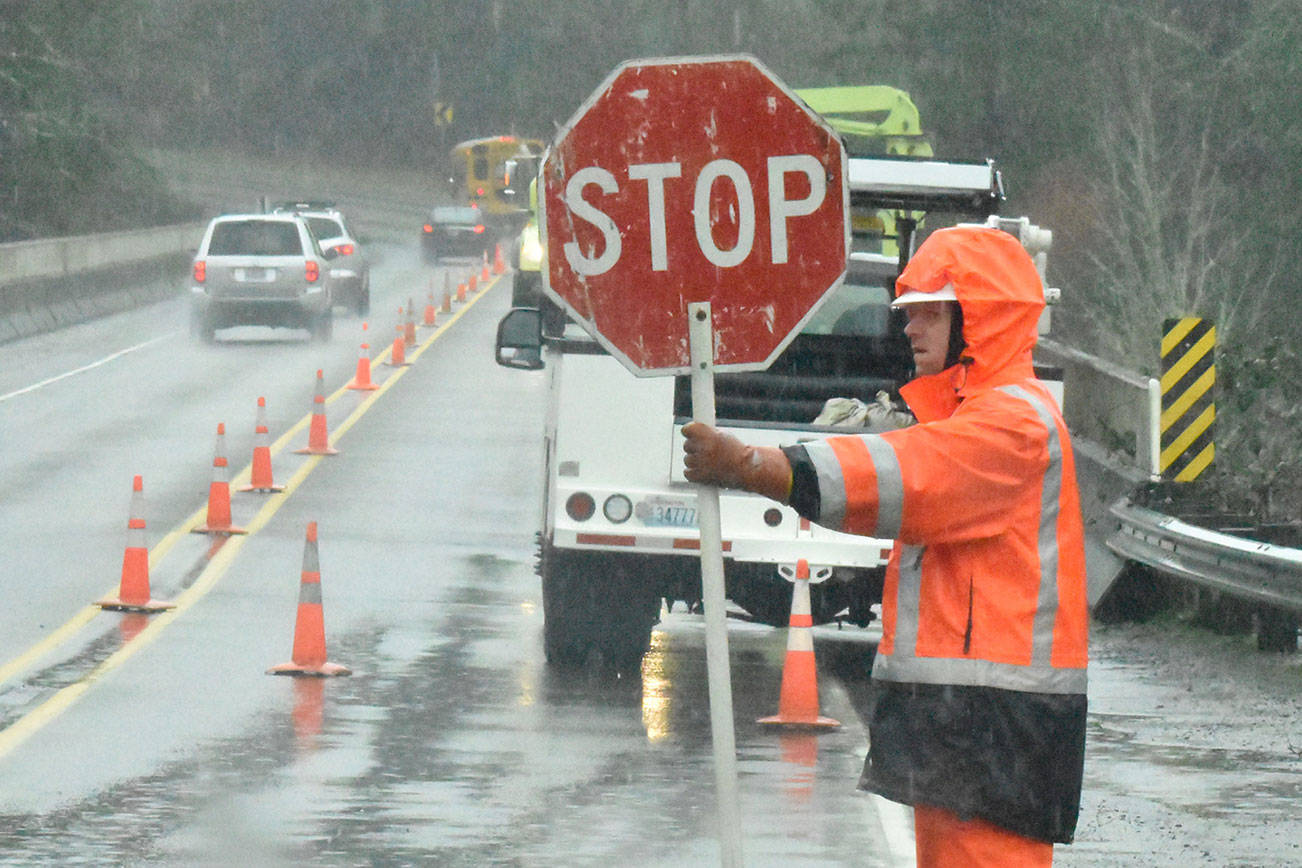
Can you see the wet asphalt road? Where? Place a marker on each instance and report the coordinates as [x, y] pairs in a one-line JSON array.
[[135, 740], [161, 739]]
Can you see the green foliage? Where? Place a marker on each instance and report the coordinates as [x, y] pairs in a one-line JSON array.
[[1259, 414], [62, 170]]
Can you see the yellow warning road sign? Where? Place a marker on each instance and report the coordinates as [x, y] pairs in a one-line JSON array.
[[1188, 405]]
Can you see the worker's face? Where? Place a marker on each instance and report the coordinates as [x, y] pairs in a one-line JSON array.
[[928, 334]]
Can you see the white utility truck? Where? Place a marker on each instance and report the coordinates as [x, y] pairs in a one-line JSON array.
[[619, 522]]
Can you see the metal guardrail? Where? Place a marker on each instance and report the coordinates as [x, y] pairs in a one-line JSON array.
[[1255, 571]]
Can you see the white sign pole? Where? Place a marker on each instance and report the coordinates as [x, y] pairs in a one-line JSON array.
[[700, 336]]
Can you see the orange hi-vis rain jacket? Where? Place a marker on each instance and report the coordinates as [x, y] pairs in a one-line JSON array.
[[981, 667]]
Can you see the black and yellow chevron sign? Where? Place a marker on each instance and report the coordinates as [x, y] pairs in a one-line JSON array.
[[1188, 408]]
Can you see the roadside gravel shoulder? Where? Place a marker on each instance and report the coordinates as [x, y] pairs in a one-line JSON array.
[[1194, 752]]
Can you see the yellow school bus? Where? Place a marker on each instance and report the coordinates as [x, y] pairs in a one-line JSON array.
[[493, 174]]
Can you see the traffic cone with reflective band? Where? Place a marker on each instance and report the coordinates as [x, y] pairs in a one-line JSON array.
[[409, 327], [309, 655], [219, 491], [398, 352], [133, 589], [499, 267], [483, 273], [260, 474], [362, 380], [431, 317], [798, 701], [318, 438]]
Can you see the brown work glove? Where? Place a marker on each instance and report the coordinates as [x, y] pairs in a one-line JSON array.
[[715, 458]]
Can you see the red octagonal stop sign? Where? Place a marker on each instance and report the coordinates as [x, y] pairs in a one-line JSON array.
[[694, 180]]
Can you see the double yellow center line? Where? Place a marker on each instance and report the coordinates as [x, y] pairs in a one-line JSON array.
[[25, 726]]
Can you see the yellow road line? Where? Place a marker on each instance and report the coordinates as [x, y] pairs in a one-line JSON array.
[[73, 625]]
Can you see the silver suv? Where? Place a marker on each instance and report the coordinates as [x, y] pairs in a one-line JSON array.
[[350, 275], [261, 269]]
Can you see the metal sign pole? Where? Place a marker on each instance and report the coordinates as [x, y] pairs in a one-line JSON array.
[[700, 335]]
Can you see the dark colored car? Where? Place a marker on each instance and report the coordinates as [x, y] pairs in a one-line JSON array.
[[455, 231]]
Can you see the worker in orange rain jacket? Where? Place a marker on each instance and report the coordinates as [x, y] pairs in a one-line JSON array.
[[979, 680]]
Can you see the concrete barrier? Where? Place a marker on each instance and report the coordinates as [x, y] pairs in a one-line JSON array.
[[50, 258], [52, 283]]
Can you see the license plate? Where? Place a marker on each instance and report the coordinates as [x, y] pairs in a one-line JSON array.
[[255, 275], [665, 514]]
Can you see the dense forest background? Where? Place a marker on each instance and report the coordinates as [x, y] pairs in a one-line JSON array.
[[1159, 139]]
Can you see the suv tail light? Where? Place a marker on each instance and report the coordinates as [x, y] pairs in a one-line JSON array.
[[427, 228], [479, 229], [313, 271], [345, 249], [200, 271]]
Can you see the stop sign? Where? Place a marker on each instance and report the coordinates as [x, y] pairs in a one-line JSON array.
[[694, 180]]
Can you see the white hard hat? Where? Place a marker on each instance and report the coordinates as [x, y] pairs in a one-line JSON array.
[[913, 296]]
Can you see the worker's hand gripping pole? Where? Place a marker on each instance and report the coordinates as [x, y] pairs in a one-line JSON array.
[[700, 334]]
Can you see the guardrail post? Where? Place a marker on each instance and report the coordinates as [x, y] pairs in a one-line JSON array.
[[1154, 446]]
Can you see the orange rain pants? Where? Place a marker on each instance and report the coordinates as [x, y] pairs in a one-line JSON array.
[[945, 841]]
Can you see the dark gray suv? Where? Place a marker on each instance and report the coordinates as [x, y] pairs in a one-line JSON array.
[[260, 269]]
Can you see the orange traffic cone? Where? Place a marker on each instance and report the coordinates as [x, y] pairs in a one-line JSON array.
[[431, 316], [398, 352], [309, 656], [483, 274], [133, 590], [798, 701], [318, 438], [362, 380], [461, 290], [219, 491], [260, 474], [409, 327], [499, 267], [472, 283], [447, 300]]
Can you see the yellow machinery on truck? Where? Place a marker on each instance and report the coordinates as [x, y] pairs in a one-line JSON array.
[[873, 120]]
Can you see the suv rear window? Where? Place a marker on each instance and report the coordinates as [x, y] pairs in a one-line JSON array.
[[325, 227], [255, 238]]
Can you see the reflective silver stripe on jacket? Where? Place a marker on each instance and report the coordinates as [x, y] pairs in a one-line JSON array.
[[1046, 608], [973, 672], [903, 664], [831, 485]]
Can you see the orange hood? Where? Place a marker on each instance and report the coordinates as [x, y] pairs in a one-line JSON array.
[[1002, 296]]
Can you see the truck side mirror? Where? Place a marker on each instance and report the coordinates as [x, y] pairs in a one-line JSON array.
[[519, 339]]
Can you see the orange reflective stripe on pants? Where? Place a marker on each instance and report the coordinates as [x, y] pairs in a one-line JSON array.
[[945, 841]]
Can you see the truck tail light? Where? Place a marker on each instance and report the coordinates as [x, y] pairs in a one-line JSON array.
[[427, 228], [200, 271], [312, 271], [580, 506]]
